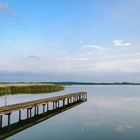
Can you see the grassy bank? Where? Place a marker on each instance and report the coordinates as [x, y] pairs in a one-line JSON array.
[[28, 88]]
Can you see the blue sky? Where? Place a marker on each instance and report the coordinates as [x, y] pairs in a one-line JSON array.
[[70, 40]]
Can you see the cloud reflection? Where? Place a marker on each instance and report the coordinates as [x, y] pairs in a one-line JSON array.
[[122, 128]]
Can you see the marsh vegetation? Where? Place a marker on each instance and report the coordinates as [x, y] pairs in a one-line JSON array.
[[28, 88]]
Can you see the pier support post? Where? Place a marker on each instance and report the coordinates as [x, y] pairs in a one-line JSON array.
[[30, 112], [74, 99], [19, 115], [55, 104], [34, 110], [0, 121], [27, 113], [64, 102], [68, 101], [37, 110], [43, 108], [9, 119]]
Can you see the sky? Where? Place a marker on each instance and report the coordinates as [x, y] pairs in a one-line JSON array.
[[70, 40]]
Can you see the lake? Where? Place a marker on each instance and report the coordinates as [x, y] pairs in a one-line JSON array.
[[110, 113]]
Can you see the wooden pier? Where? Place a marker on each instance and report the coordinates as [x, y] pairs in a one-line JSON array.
[[21, 125], [45, 103]]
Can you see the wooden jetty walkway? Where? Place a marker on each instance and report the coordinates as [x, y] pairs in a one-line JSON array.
[[64, 99], [21, 125]]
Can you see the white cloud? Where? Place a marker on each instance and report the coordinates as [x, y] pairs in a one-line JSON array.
[[91, 61], [92, 46], [33, 57], [120, 42]]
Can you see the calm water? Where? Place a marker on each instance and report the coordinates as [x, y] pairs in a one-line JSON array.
[[111, 113]]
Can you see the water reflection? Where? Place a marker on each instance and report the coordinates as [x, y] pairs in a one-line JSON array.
[[111, 113], [17, 127]]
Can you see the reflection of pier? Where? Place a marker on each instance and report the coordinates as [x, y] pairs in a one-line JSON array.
[[59, 104]]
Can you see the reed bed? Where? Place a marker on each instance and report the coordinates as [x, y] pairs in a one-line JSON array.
[[29, 88]]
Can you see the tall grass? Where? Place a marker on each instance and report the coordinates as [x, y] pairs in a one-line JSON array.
[[35, 88]]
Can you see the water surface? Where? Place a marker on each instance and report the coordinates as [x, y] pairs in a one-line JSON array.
[[110, 113]]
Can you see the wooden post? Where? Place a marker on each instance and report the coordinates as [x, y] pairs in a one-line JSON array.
[[9, 118], [58, 103], [43, 108], [27, 113], [64, 102], [0, 121], [55, 104], [30, 112], [35, 111], [19, 115]]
